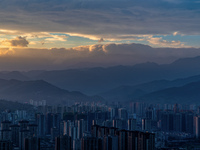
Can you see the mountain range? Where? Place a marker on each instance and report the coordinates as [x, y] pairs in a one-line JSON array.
[[96, 80], [23, 91], [187, 94], [133, 92], [137, 82]]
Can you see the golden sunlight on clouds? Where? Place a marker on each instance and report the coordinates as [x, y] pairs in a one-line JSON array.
[[16, 42], [6, 52], [105, 54], [57, 38], [91, 37], [16, 38], [6, 32], [158, 41], [111, 37]]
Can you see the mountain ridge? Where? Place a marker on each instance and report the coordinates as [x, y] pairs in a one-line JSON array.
[[100, 79], [188, 94], [23, 91]]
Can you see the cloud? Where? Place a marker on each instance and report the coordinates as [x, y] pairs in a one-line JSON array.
[[101, 40], [56, 38], [16, 42], [33, 23], [41, 38], [175, 33], [98, 18], [6, 52], [96, 55], [158, 41]]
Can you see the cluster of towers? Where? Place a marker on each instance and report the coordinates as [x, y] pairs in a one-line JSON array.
[[21, 135]]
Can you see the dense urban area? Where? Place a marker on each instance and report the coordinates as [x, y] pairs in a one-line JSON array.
[[100, 126]]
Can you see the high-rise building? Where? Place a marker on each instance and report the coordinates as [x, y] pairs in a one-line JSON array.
[[82, 126], [122, 140], [146, 141], [177, 123], [33, 129], [189, 123], [15, 134], [54, 133], [73, 132], [117, 123], [132, 124], [146, 124], [67, 125], [6, 145], [48, 123], [110, 142], [77, 144], [197, 126], [23, 124], [5, 130], [122, 112], [112, 113], [40, 120], [114, 138], [22, 135], [176, 108], [167, 121], [108, 123], [56, 120], [5, 124], [31, 143], [150, 113], [91, 143], [63, 143], [133, 140]]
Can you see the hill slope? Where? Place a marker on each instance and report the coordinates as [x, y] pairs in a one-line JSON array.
[[23, 91], [130, 92], [96, 80], [12, 106], [189, 93], [13, 75]]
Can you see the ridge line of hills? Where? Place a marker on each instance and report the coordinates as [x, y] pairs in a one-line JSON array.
[[138, 80], [186, 94], [23, 91]]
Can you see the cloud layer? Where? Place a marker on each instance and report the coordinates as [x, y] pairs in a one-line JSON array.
[[89, 56], [16, 42], [51, 23], [111, 19]]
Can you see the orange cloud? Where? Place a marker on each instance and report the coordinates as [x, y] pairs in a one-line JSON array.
[[158, 41], [16, 42]]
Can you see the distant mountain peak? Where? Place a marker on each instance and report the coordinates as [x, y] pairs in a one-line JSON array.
[[187, 60], [22, 91]]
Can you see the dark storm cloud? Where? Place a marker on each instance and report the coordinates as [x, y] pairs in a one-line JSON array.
[[101, 40], [102, 18], [16, 42]]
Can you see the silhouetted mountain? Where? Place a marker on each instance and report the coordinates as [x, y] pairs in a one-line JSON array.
[[130, 92], [188, 94], [33, 73], [13, 75], [23, 91], [96, 80]]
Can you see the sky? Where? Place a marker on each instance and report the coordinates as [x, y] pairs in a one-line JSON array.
[[61, 34]]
